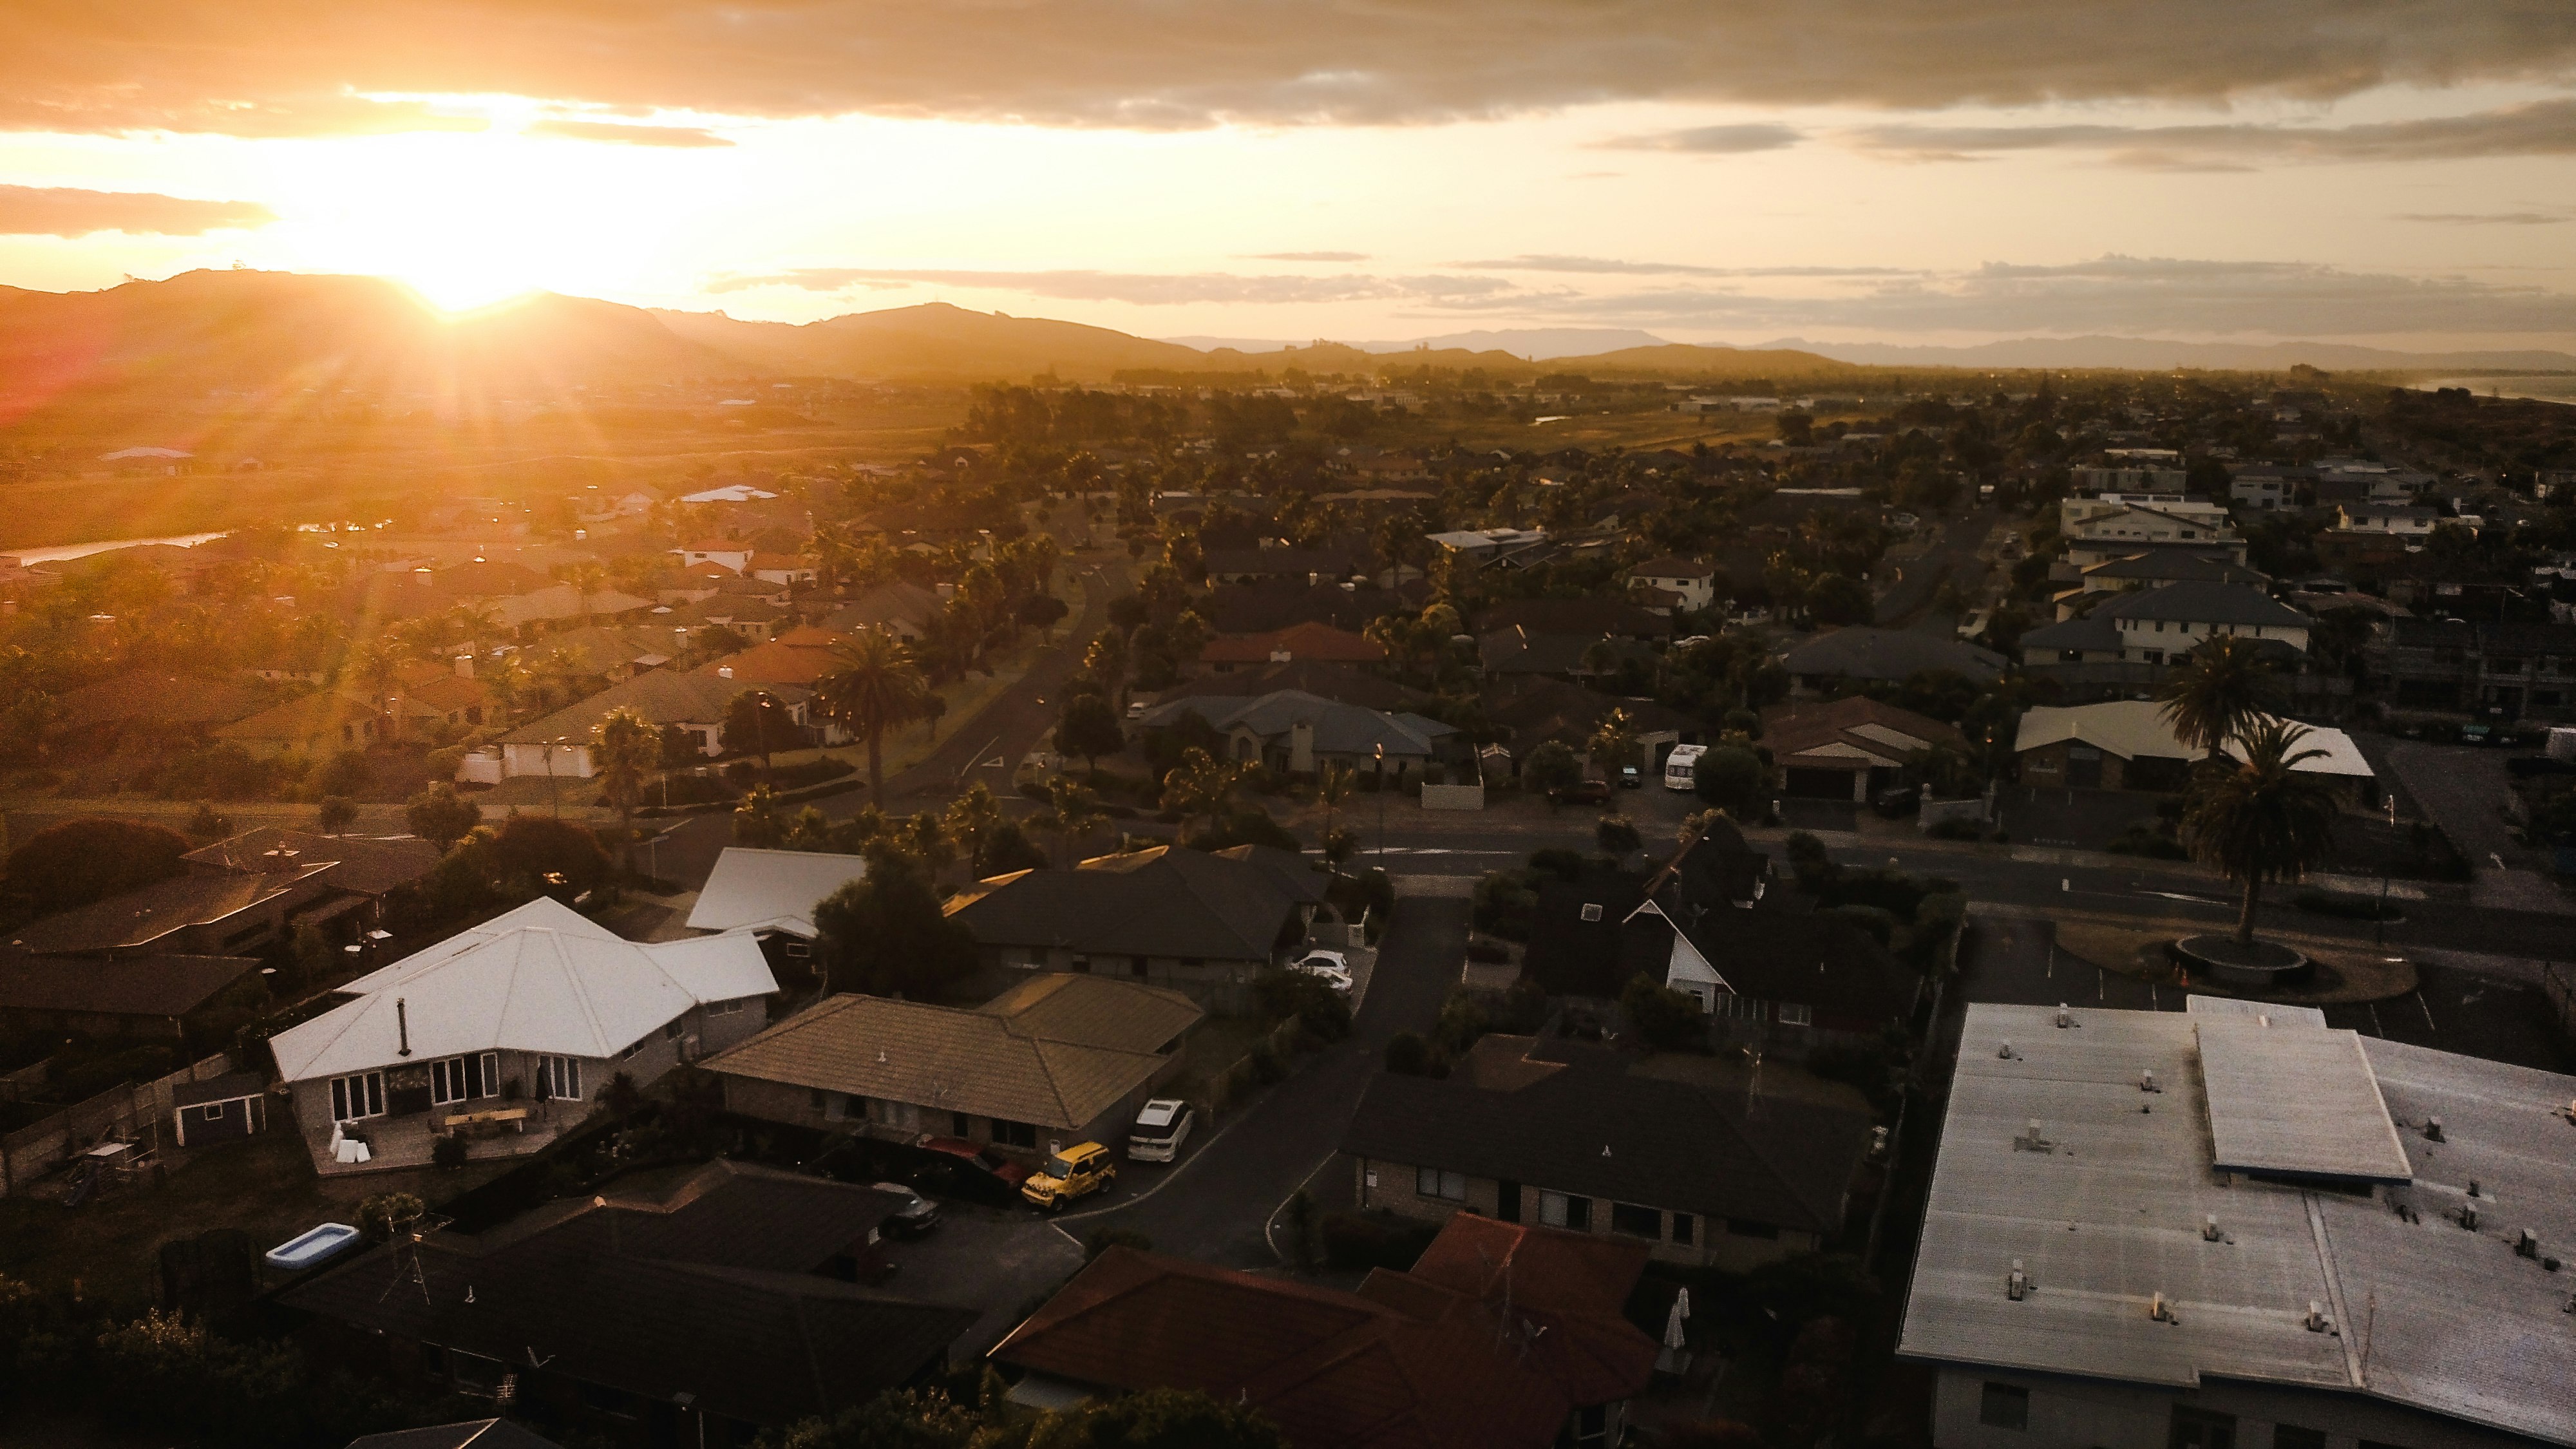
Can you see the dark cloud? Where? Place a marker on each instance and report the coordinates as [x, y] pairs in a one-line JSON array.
[[2484, 218], [61, 211], [1307, 257], [1603, 266], [1709, 140], [1141, 288], [689, 137], [2126, 295], [2539, 128], [277, 67]]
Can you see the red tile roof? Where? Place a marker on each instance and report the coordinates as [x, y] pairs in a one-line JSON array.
[[1298, 641]]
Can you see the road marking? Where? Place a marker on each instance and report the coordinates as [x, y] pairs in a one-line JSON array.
[[2179, 896]]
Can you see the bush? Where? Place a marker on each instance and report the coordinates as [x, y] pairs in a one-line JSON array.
[[1506, 901], [88, 859], [346, 774], [1407, 1054], [448, 1151], [1281, 994], [1955, 829], [1559, 862], [1667, 1019]]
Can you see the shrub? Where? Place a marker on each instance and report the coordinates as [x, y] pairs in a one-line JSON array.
[[1407, 1054], [1955, 829], [1667, 1019], [347, 773], [88, 859], [1558, 861], [448, 1151]]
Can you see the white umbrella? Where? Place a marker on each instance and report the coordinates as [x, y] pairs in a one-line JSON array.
[[1674, 1358]]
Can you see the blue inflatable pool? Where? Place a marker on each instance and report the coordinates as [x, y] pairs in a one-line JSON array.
[[320, 1245]]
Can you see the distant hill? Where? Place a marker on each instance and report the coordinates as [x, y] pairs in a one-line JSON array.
[[933, 339], [1540, 344], [2144, 353]]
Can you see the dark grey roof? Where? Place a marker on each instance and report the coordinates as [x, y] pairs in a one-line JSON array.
[[1592, 616], [1596, 1128], [473, 1434], [1523, 651], [1332, 563], [2177, 565], [712, 1298], [363, 864], [1166, 901], [1340, 729], [1274, 604], [230, 1087], [159, 986], [1862, 652], [2205, 603], [2093, 632]]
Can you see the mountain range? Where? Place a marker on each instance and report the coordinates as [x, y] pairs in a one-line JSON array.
[[265, 333]]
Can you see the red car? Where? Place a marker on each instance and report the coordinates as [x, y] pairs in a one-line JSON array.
[[1589, 792], [975, 1160]]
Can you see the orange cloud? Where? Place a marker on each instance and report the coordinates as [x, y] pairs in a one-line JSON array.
[[63, 211]]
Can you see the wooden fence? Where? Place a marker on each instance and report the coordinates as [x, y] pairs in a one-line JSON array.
[[134, 1110]]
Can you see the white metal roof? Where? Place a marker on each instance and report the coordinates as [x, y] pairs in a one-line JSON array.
[[771, 889], [2199, 1005], [2295, 1099], [2137, 729], [2111, 1209], [541, 978]]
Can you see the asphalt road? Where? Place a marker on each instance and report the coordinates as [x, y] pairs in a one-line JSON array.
[[1215, 1206]]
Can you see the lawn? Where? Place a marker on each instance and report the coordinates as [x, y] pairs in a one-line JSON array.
[[264, 1185]]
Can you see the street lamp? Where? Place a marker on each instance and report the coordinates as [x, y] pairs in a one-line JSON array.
[[1381, 806], [2379, 919]]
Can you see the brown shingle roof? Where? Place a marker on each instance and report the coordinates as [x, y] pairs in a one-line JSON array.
[[1055, 1052], [161, 986], [144, 915], [360, 863]]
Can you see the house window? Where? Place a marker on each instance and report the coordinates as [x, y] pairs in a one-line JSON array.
[[724, 1008], [1748, 1228], [795, 950], [1015, 1134], [1563, 1210], [2291, 1436], [1637, 1222], [632, 1048], [671, 1029], [1731, 1007], [1682, 1225], [359, 1096], [1592, 910], [459, 1079], [959, 1124], [1591, 1426], [2003, 1406], [211, 1112], [2200, 1429], [1797, 1013], [1434, 1182], [559, 1078]]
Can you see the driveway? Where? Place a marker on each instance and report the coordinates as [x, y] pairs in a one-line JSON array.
[[993, 1260], [1215, 1206], [2462, 789]]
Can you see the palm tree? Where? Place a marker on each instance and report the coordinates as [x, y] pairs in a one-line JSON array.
[[1073, 812], [587, 579], [1332, 787], [970, 820], [625, 747], [2263, 819], [1201, 784], [874, 688], [2217, 693]]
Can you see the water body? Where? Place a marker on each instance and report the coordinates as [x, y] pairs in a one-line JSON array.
[[57, 553], [2548, 387]]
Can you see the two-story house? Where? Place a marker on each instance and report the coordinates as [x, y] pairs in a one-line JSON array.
[[2156, 624], [2497, 671], [1685, 583], [508, 1032], [1686, 1155]]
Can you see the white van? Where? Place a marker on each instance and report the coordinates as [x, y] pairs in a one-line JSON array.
[[1681, 767], [1161, 1126]]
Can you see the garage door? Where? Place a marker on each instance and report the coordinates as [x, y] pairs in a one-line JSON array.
[[1820, 784]]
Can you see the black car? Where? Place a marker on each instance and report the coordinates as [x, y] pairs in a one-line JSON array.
[[1630, 778], [1898, 802], [1588, 792], [915, 1216]]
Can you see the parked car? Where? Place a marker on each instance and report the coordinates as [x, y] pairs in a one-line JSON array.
[[1161, 1126], [962, 1169], [1898, 802], [915, 1214], [1587, 792], [1136, 709], [1630, 778], [1075, 1173], [1330, 967]]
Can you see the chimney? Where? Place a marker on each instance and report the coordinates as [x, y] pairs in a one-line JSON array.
[[2433, 1129], [2016, 1283], [402, 1026], [2316, 1320], [2065, 1018], [2159, 1310], [2209, 1229], [2005, 1051], [2147, 1082], [465, 666]]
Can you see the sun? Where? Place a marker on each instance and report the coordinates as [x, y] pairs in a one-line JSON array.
[[464, 285]]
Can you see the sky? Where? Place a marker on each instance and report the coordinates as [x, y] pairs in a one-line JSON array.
[[2401, 172]]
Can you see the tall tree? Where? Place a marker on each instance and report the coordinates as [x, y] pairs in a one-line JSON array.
[[1088, 727], [1201, 785], [1613, 743], [756, 722], [1072, 813], [441, 816], [2217, 692], [971, 820], [1333, 785], [873, 687], [2263, 819], [625, 747]]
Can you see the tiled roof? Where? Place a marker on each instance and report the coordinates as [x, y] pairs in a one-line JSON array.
[[1340, 729], [1297, 641], [1158, 902], [1056, 1051], [1592, 616], [360, 863], [1597, 1128], [2204, 603], [1862, 652], [147, 913], [1882, 733], [661, 696]]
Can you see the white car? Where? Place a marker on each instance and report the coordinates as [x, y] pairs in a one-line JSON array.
[[1161, 1126], [1330, 967]]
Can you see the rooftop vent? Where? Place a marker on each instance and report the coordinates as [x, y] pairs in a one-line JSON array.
[[2161, 1311], [2147, 1082], [2209, 1228], [2526, 1244], [2469, 1216], [2031, 1141], [2016, 1283], [2316, 1321], [2006, 1052], [2433, 1129], [2065, 1018]]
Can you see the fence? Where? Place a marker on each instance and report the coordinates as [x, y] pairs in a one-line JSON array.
[[1237, 1078], [135, 1109]]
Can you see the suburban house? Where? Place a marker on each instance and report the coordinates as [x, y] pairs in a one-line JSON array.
[[798, 657], [218, 914], [610, 651], [2398, 518], [1523, 651], [2129, 744], [1849, 749], [2135, 518], [2150, 568], [1340, 683], [1591, 618], [726, 553], [1499, 1337], [1170, 916], [1859, 655], [1530, 710], [2155, 1229], [2266, 489], [721, 1307], [1318, 642], [902, 609], [515, 1025], [559, 744], [2509, 671], [1055, 1060], [1299, 733], [1275, 604], [364, 871], [772, 894], [1676, 583], [133, 996], [1689, 1156], [157, 701], [1486, 545], [1252, 565], [2155, 623]]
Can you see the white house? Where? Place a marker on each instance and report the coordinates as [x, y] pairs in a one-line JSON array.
[[2157, 624], [2142, 518], [772, 895], [507, 1032], [559, 744], [724, 553], [2130, 480], [2397, 518], [1692, 583]]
